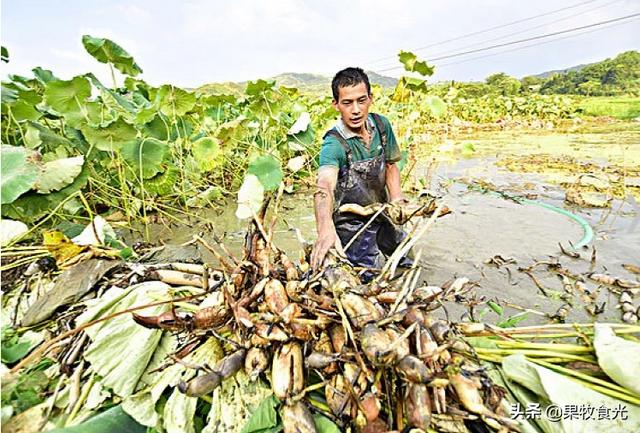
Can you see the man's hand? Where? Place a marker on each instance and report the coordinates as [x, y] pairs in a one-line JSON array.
[[325, 242]]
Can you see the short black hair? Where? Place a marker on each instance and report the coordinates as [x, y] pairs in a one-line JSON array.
[[349, 77]]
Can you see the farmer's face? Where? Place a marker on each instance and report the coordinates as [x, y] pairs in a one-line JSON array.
[[353, 104]]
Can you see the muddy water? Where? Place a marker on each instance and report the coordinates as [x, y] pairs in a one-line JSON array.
[[485, 224]]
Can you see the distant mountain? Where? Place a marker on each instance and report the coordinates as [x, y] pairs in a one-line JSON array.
[[300, 80], [316, 81], [576, 68]]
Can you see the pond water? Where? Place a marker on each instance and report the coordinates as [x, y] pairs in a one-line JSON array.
[[484, 225]]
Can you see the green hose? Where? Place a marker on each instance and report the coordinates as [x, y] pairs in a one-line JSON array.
[[586, 228], [587, 235]]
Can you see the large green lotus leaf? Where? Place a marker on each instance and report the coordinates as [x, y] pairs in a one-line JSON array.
[[173, 101], [267, 169], [145, 156], [207, 153], [163, 183], [19, 172], [563, 391], [43, 75], [113, 100], [30, 96], [111, 138], [112, 420], [9, 94], [57, 174], [146, 115], [32, 205], [156, 128], [232, 130], [69, 98], [250, 196], [412, 64], [152, 384], [106, 51], [23, 110], [302, 140], [133, 343], [436, 105], [614, 354], [258, 87], [37, 135]]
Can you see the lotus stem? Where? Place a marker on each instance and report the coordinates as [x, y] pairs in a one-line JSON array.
[[535, 353], [556, 347]]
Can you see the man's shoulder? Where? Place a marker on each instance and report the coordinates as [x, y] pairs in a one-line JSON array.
[[385, 121], [331, 137]]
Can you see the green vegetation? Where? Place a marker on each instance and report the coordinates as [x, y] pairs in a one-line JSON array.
[[620, 108], [79, 147]]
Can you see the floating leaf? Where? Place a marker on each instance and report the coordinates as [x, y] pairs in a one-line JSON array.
[[112, 137], [57, 174], [145, 156], [207, 153], [19, 173], [411, 64], [267, 169], [107, 51], [173, 101], [250, 197]]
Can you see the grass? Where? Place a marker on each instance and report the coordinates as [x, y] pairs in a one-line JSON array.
[[624, 108]]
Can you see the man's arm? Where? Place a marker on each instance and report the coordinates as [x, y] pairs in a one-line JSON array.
[[392, 181], [323, 205]]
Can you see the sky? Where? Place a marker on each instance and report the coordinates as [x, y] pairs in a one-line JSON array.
[[193, 42]]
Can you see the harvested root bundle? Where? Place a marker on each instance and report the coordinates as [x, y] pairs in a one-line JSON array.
[[375, 351]]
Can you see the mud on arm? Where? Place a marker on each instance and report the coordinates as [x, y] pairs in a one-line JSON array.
[[323, 206]]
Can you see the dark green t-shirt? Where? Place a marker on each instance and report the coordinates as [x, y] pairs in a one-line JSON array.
[[332, 152]]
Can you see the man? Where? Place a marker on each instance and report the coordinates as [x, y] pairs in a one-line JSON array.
[[357, 165]]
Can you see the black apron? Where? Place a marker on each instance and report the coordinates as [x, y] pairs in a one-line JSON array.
[[364, 183]]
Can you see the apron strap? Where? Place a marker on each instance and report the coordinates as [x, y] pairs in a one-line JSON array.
[[381, 130], [335, 134]]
